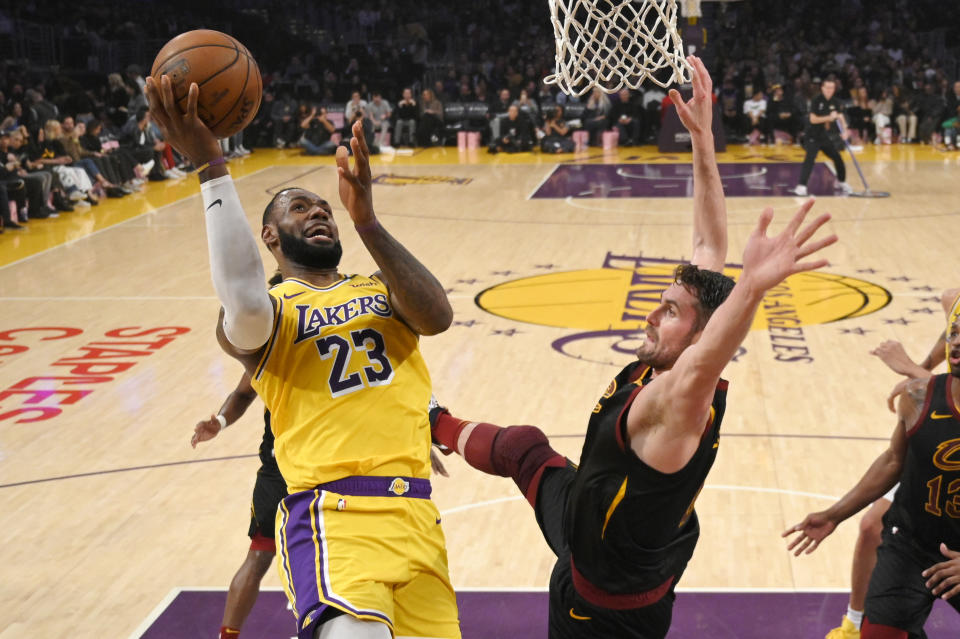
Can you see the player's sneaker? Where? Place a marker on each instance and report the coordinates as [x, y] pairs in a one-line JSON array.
[[434, 409], [844, 188], [800, 189], [845, 631]]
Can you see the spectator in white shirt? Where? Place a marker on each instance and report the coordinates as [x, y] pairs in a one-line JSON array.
[[756, 111], [379, 112]]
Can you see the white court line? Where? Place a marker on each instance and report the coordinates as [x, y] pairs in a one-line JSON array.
[[543, 181], [480, 504], [755, 489], [764, 489], [156, 612], [113, 226]]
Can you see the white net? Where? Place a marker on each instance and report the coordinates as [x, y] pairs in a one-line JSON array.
[[612, 44]]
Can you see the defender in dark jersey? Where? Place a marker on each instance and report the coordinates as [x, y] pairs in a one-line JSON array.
[[268, 490], [623, 524], [825, 110], [917, 560]]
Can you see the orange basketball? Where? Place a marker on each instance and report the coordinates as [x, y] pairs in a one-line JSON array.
[[228, 77]]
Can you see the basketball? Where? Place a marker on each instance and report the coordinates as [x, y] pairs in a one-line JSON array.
[[228, 77]]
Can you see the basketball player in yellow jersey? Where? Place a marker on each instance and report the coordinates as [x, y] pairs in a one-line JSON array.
[[335, 359]]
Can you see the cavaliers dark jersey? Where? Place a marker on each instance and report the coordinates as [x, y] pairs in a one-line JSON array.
[[821, 106], [927, 505], [633, 529]]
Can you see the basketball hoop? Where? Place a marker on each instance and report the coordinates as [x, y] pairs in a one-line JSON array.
[[612, 44]]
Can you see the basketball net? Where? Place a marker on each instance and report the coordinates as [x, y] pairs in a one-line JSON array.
[[613, 44]]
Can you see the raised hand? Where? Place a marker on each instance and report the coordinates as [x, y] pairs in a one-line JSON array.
[[182, 129], [814, 529], [205, 430], [943, 579], [892, 354], [356, 191], [767, 261], [697, 113]]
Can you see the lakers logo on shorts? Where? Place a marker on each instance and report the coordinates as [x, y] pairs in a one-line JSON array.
[[400, 487]]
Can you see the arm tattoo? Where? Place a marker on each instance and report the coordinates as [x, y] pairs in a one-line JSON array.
[[418, 296], [918, 393]]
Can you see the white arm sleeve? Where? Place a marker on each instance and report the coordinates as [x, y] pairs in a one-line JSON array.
[[235, 265]]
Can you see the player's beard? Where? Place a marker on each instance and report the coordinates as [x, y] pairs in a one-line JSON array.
[[660, 356], [317, 256]]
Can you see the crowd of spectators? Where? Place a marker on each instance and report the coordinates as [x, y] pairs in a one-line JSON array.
[[57, 160], [892, 62], [893, 76], [418, 73]]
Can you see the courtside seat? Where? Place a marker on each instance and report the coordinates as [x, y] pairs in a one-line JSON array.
[[574, 111], [453, 121]]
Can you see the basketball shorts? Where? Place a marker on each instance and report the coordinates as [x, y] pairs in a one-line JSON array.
[[371, 547], [898, 595], [570, 615], [268, 490]]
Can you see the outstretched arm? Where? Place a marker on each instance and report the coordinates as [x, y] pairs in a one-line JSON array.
[[666, 421], [416, 294], [892, 353], [236, 404], [879, 478], [936, 356], [709, 205], [235, 264]]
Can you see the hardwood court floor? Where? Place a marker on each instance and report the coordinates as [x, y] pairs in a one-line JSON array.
[[106, 507]]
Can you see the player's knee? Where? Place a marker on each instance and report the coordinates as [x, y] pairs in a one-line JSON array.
[[258, 563], [871, 526], [520, 451], [263, 559]]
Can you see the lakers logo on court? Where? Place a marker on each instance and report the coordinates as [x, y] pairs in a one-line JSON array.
[[609, 305]]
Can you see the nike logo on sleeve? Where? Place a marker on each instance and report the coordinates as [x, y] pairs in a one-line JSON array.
[[217, 202]]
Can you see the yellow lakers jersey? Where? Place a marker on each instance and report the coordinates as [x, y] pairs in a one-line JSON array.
[[345, 384]]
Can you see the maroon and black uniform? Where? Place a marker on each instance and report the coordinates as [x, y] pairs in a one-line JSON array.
[[268, 490], [623, 532], [925, 513]]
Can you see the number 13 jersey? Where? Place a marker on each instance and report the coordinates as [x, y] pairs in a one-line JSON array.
[[345, 383], [927, 504]]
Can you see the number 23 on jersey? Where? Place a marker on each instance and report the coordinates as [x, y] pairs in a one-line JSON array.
[[365, 342]]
